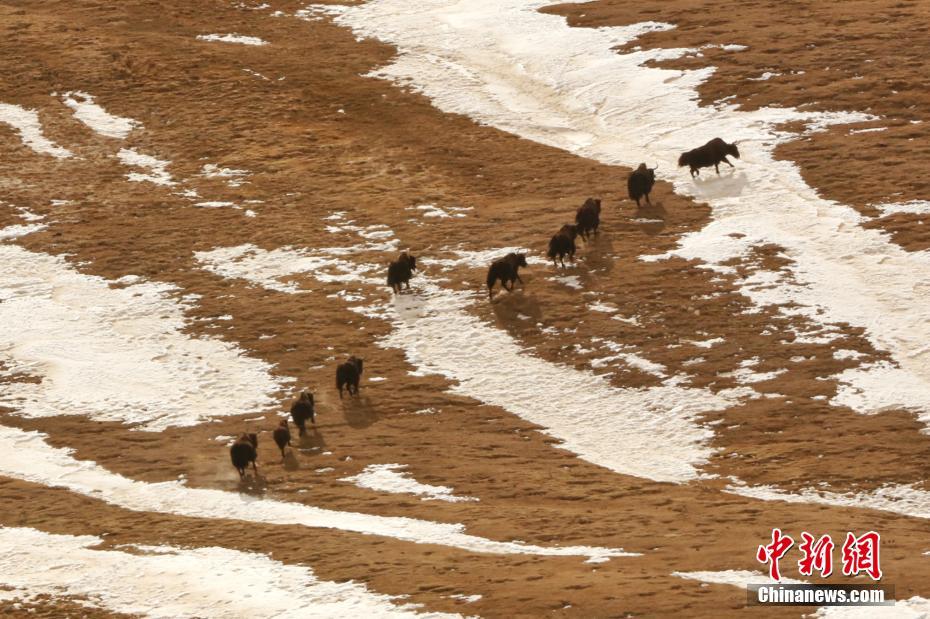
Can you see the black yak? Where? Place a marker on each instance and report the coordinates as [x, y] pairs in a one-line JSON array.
[[348, 375], [282, 436], [569, 230], [400, 271], [588, 217], [640, 183], [560, 245], [711, 154], [507, 269], [243, 451], [301, 410]]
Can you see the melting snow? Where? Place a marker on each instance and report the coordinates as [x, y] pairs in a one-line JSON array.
[[27, 125], [26, 455], [234, 176], [169, 582], [913, 207], [232, 38], [394, 479], [114, 354], [157, 168], [97, 118]]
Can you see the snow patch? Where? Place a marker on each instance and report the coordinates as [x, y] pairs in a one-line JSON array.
[[27, 125], [97, 118], [232, 38], [394, 479], [157, 169], [27, 456], [114, 353], [170, 582]]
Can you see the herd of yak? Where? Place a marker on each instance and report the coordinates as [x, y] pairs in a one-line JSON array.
[[244, 450]]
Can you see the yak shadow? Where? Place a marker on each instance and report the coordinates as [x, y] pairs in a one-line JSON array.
[[597, 254], [311, 440], [650, 218], [515, 310], [290, 462], [253, 484], [724, 186], [358, 412]]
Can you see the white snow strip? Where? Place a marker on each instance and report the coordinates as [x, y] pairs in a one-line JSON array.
[[706, 343], [215, 204], [114, 353], [659, 437], [764, 77], [868, 130], [600, 306], [167, 582], [232, 38], [505, 64], [736, 578], [468, 599], [317, 12], [234, 176], [18, 230], [744, 375], [27, 456], [431, 210], [912, 207], [268, 268], [394, 479], [904, 499], [479, 259], [27, 125], [572, 281], [97, 118], [27, 215], [157, 169]]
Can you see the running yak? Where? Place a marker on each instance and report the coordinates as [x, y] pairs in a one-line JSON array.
[[348, 375], [400, 271], [244, 451], [507, 270], [640, 183], [711, 154], [588, 217], [303, 409], [563, 244]]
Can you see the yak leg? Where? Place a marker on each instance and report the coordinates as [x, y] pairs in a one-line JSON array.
[[717, 167], [254, 467], [648, 201], [727, 161]]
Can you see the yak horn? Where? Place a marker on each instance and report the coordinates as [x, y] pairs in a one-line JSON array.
[[655, 168]]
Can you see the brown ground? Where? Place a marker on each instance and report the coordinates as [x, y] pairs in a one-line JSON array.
[[391, 150]]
